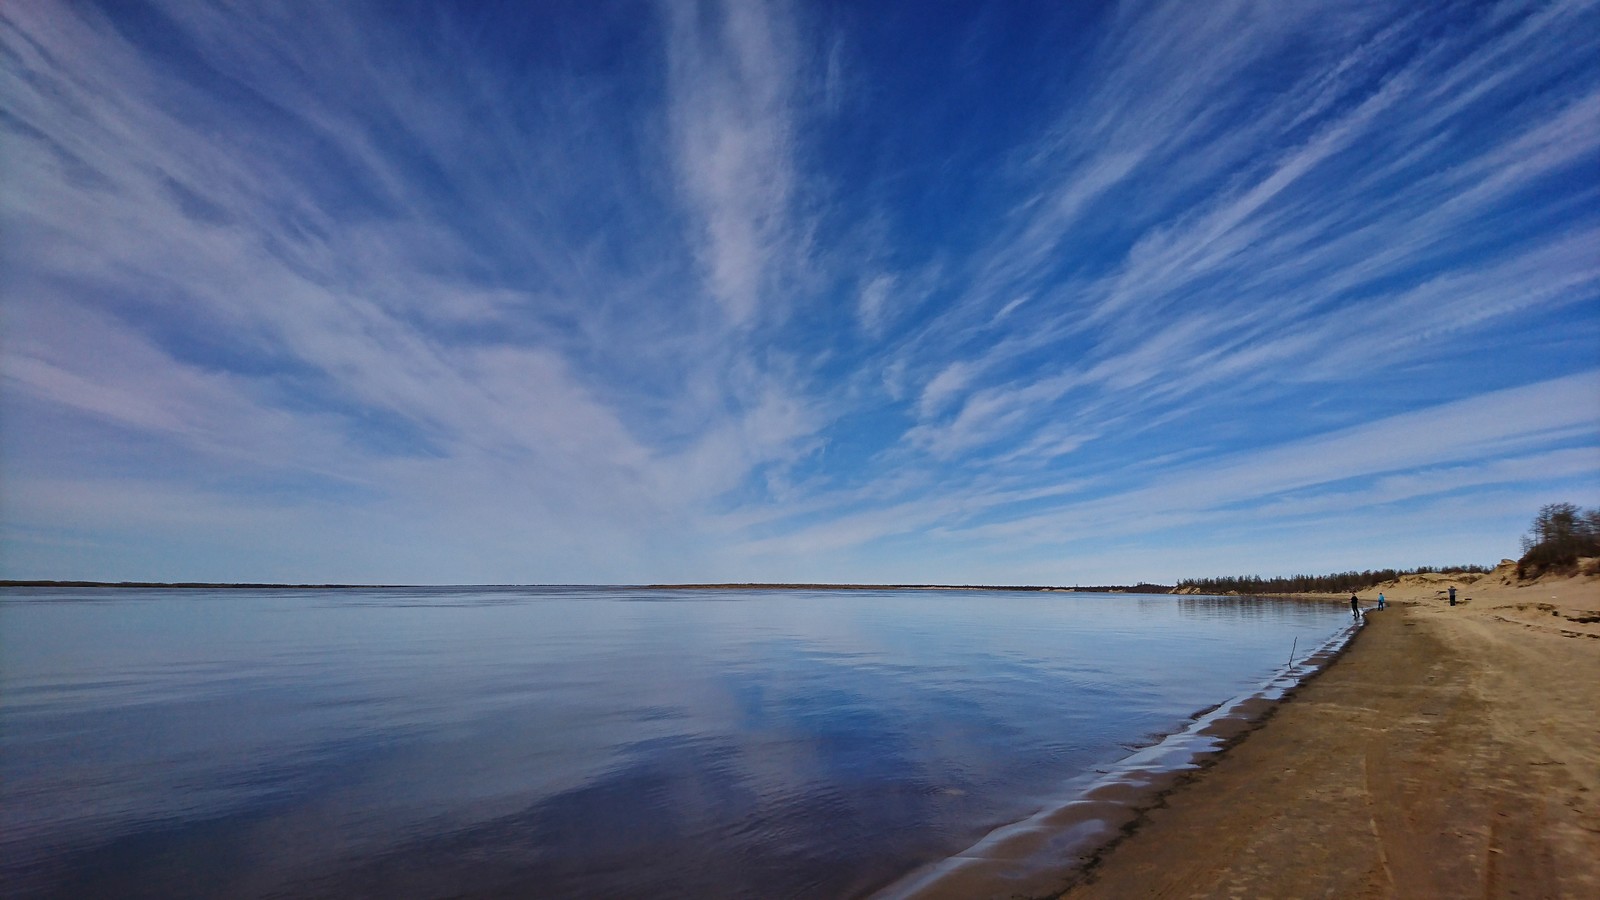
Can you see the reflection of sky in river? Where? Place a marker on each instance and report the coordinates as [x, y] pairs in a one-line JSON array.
[[574, 742]]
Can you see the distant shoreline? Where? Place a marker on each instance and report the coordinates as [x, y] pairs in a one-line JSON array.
[[785, 586], [205, 584], [725, 586]]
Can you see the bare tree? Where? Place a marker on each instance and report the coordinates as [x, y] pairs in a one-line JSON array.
[[1559, 535]]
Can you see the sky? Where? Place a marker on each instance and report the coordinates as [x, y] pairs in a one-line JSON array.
[[632, 292]]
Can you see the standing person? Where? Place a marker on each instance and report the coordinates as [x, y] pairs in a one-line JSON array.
[[1452, 595], [1355, 607], [1380, 599]]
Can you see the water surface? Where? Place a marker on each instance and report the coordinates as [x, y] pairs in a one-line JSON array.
[[574, 742]]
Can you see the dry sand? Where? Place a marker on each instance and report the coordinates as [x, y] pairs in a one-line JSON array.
[[1450, 752]]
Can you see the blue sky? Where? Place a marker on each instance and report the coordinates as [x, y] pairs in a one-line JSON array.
[[1016, 293]]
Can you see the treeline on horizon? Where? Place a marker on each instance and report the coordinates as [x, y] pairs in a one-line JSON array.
[[1560, 536], [1337, 583], [1140, 588]]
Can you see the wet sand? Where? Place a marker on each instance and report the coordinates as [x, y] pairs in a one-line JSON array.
[[1450, 752], [1036, 856]]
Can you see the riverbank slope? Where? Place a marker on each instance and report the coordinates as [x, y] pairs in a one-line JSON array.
[[1451, 751]]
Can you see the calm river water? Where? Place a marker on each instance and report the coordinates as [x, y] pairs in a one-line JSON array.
[[574, 742]]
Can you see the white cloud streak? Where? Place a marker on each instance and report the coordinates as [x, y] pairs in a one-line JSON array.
[[732, 69], [1281, 262], [613, 321]]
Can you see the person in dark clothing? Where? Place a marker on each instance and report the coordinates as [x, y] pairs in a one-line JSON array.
[[1355, 607], [1452, 595]]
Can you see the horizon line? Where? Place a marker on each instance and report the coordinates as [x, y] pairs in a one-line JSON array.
[[674, 586]]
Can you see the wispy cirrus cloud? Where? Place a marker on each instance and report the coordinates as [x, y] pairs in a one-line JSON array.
[[748, 290], [311, 270], [1360, 191], [733, 108], [1392, 450], [1404, 467]]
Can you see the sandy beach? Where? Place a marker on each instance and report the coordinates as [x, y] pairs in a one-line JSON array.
[[1450, 752]]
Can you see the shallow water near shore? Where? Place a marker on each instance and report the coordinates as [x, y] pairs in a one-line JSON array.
[[574, 742]]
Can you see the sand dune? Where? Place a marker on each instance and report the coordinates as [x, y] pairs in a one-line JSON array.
[[1500, 585]]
